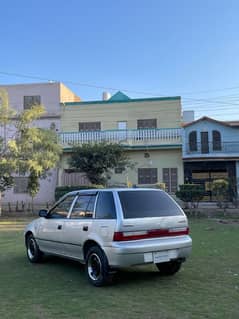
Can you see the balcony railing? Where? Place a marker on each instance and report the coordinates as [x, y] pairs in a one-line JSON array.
[[132, 137], [210, 149]]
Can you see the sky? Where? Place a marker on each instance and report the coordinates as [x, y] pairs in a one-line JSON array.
[[145, 48]]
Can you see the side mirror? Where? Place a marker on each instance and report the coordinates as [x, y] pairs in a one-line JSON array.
[[43, 213]]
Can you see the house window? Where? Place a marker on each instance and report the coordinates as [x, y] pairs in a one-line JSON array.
[[170, 178], [147, 175], [216, 141], [31, 100], [89, 126], [20, 185], [122, 125], [193, 141], [147, 123], [204, 143]]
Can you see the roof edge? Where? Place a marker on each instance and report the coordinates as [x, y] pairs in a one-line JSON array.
[[206, 118], [128, 101]]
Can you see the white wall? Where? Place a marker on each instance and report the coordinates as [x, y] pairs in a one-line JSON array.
[[45, 195]]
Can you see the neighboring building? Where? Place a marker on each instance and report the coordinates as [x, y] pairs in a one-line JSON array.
[[23, 96], [211, 151], [148, 128]]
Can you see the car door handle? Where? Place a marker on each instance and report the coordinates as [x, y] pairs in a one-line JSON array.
[[85, 228], [59, 227]]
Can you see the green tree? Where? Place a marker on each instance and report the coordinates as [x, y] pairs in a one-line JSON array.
[[97, 160], [7, 163], [220, 188], [31, 151]]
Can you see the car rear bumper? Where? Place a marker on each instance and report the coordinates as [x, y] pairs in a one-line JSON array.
[[124, 254]]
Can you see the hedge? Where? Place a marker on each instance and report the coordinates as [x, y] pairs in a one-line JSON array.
[[190, 192]]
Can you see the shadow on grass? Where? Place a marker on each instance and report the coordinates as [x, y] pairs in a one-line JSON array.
[[136, 275], [133, 275], [53, 267]]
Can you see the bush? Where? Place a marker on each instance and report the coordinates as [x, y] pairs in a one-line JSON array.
[[190, 193], [62, 190], [220, 188]]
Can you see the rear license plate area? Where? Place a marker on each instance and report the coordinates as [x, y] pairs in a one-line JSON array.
[[160, 256]]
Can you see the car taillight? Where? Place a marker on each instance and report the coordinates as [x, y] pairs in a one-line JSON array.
[[153, 233]]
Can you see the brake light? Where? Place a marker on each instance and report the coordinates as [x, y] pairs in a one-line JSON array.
[[153, 233]]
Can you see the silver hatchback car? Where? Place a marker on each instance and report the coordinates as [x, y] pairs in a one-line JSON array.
[[108, 229]]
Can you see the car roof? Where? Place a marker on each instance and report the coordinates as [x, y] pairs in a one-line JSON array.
[[94, 190]]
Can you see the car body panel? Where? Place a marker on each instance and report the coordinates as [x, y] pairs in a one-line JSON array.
[[133, 253]]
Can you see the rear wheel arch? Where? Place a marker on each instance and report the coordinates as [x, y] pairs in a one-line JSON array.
[[97, 267], [87, 245]]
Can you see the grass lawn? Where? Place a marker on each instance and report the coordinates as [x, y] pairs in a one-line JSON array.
[[206, 287]]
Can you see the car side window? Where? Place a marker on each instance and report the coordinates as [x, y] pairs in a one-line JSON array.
[[84, 206], [105, 207], [61, 210]]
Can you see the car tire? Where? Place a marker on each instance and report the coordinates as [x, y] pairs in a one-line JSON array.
[[169, 268], [33, 252], [97, 267]]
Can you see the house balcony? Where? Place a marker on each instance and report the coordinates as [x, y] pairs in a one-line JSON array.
[[218, 150], [165, 137]]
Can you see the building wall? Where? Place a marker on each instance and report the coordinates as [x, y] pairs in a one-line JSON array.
[[212, 164], [45, 196], [228, 135], [171, 158], [66, 95], [51, 96], [167, 113], [49, 93], [158, 159]]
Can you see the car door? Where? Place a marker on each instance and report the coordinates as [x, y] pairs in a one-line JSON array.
[[79, 225], [50, 236]]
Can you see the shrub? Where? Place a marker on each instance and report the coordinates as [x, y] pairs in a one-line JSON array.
[[220, 188], [190, 193]]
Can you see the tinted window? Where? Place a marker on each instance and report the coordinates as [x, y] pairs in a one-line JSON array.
[[89, 126], [140, 204], [105, 207], [216, 141], [61, 210], [193, 141], [147, 175], [147, 123], [29, 101], [84, 207]]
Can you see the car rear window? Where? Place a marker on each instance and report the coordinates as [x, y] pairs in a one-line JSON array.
[[141, 204]]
